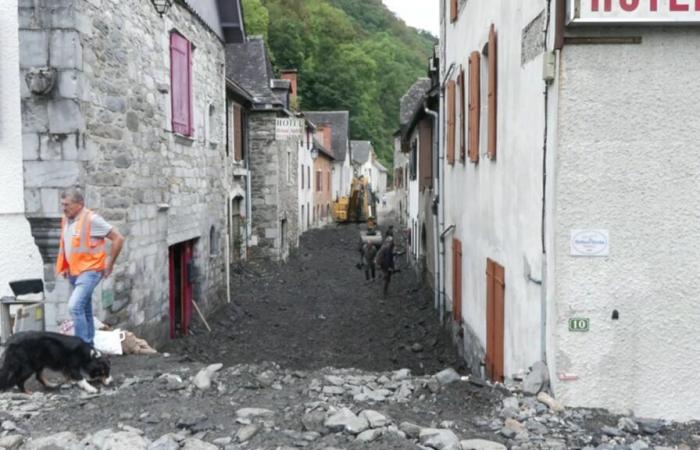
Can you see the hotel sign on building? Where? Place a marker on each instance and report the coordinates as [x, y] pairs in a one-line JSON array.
[[599, 12]]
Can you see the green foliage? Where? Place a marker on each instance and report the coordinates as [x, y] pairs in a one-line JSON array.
[[350, 54]]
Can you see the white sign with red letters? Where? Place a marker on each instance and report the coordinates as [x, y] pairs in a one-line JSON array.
[[633, 11]]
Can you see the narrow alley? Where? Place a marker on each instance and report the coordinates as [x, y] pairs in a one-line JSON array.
[[318, 311]]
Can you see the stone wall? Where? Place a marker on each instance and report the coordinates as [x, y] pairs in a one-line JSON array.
[[105, 126], [274, 198]]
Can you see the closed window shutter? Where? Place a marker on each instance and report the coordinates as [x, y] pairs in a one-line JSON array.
[[426, 154], [462, 114], [302, 177], [454, 10], [238, 133], [457, 280], [181, 81], [493, 93], [451, 122], [474, 105]]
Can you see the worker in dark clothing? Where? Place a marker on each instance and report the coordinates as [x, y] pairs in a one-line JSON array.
[[390, 231], [368, 252], [385, 260]]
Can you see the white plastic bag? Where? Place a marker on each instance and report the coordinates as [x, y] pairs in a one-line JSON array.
[[109, 342]]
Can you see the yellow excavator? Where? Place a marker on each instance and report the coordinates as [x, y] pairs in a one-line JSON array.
[[360, 206]]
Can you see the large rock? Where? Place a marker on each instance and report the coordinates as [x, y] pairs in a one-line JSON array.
[[447, 376], [247, 432], [346, 420], [547, 399], [205, 376], [537, 380], [412, 430], [166, 442], [313, 421], [110, 440], [197, 444], [59, 441], [369, 435], [375, 419], [11, 441], [254, 412], [481, 444], [439, 439]]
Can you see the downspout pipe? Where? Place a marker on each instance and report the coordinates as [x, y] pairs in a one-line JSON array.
[[441, 193], [436, 202]]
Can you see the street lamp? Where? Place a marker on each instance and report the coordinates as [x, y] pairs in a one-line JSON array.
[[162, 6], [314, 153]]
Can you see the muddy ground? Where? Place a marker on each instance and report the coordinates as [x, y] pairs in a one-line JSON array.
[[307, 337], [318, 311]]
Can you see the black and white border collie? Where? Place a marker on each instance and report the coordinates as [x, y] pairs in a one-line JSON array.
[[29, 353]]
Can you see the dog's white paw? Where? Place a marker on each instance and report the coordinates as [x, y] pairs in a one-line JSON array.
[[107, 381], [87, 387]]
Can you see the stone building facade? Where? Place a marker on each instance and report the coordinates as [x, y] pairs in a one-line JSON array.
[[273, 162], [97, 113]]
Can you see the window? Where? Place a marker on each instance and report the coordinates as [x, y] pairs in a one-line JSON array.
[[414, 159], [457, 280], [454, 10], [462, 114], [318, 181], [308, 177], [212, 125], [495, 319], [328, 181], [181, 84], [426, 154], [302, 177], [213, 241]]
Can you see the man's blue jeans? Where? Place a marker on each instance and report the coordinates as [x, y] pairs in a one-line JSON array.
[[80, 304]]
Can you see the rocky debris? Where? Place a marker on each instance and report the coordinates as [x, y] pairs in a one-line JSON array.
[[247, 432], [548, 400], [439, 439], [204, 377], [481, 444], [346, 420], [447, 376], [11, 441], [537, 380]]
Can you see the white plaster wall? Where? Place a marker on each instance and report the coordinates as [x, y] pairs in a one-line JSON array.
[[19, 256], [628, 162], [306, 194], [342, 177], [496, 206]]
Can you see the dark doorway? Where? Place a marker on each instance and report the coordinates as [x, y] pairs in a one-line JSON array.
[[236, 230], [182, 273]]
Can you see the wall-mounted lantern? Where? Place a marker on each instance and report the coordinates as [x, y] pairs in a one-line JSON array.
[[162, 6]]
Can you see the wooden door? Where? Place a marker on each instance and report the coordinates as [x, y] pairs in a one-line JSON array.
[[457, 280], [181, 272], [495, 320]]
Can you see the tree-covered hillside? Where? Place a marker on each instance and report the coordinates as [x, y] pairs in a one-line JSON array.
[[351, 54]]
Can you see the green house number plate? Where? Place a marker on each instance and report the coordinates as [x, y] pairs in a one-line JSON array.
[[579, 324]]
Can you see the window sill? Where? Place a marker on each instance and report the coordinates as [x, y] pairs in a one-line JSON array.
[[182, 139]]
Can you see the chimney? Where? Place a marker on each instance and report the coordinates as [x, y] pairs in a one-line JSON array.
[[292, 76], [326, 129]]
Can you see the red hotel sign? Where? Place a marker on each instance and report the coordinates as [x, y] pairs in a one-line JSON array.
[[633, 11]]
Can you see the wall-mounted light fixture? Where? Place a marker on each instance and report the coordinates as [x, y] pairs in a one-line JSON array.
[[162, 6]]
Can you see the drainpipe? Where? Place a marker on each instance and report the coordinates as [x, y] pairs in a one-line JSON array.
[[436, 202], [441, 194]]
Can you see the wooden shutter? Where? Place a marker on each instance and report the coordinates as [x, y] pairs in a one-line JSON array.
[[454, 10], [495, 319], [181, 84], [462, 113], [493, 92], [457, 280], [237, 133], [302, 177], [426, 154], [451, 122], [474, 105]]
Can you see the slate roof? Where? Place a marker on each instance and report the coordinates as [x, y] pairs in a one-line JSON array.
[[412, 99], [249, 65], [361, 151], [340, 125], [318, 146]]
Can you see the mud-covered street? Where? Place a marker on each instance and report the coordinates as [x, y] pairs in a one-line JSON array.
[[309, 355]]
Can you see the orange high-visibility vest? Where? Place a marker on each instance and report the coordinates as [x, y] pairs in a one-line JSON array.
[[85, 254]]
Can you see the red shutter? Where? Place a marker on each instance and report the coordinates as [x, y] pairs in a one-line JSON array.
[[493, 93], [181, 84], [454, 10], [495, 320], [462, 114], [451, 122], [474, 105]]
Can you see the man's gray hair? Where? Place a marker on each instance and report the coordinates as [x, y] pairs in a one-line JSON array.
[[74, 195]]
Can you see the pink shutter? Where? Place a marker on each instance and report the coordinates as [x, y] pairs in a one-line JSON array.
[[181, 84]]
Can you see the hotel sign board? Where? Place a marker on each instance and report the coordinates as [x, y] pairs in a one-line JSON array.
[[620, 12]]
